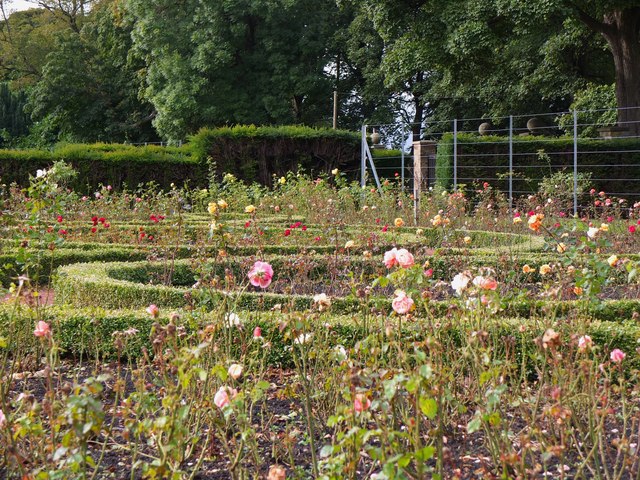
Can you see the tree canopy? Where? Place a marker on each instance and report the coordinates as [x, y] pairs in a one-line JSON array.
[[138, 70]]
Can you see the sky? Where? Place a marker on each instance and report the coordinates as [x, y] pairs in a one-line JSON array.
[[14, 5]]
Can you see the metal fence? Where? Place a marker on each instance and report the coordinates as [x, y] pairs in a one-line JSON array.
[[513, 153]]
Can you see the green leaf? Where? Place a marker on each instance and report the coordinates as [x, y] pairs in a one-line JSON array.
[[429, 407], [474, 425], [425, 453]]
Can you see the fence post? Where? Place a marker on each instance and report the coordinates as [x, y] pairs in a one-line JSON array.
[[455, 155], [510, 164], [363, 159], [575, 163], [402, 159]]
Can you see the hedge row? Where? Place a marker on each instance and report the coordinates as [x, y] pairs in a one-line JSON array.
[[80, 285], [258, 153], [486, 158], [88, 333], [10, 268], [108, 164]]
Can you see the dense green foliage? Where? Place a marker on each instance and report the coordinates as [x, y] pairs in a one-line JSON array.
[[259, 153], [116, 70], [107, 164], [486, 158]]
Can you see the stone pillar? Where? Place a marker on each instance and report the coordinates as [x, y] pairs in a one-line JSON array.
[[424, 154]]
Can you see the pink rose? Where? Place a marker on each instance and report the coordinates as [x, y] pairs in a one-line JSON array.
[[222, 397], [42, 329], [402, 304], [485, 283], [260, 274], [257, 332], [390, 259], [153, 310], [617, 355], [3, 419], [404, 258], [361, 403], [585, 343]]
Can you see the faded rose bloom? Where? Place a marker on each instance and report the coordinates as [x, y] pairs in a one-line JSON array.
[[302, 338], [545, 269], [617, 355], [233, 320], [390, 259], [460, 282], [223, 396], [592, 232], [42, 329], [585, 343], [276, 472], [361, 403], [485, 283], [322, 301], [550, 338], [260, 274], [402, 303], [153, 310], [235, 371], [404, 258]]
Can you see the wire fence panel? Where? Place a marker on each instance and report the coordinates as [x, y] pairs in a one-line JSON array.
[[515, 154]]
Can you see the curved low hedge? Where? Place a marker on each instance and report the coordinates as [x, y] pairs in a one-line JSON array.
[[10, 268], [79, 285]]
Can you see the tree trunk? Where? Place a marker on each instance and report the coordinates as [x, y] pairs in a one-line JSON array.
[[622, 34], [417, 118]]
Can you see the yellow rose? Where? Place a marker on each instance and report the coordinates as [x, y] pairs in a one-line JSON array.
[[398, 222], [334, 171], [467, 240], [612, 260], [349, 244], [604, 227], [222, 204], [527, 269], [517, 220], [578, 290], [249, 209], [282, 180], [212, 208], [544, 269]]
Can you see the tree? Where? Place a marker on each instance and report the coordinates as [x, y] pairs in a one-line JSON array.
[[13, 121], [618, 21], [214, 62], [89, 85]]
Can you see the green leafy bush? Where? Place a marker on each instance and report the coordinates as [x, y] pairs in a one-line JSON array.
[[108, 164], [486, 158], [258, 153]]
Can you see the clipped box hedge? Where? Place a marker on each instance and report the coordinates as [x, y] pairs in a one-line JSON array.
[[108, 164], [484, 158], [116, 285], [88, 332], [257, 153]]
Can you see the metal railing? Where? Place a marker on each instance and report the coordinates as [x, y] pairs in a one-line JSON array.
[[511, 145]]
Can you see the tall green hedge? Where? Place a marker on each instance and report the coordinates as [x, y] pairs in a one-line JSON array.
[[486, 158], [110, 164], [257, 153]]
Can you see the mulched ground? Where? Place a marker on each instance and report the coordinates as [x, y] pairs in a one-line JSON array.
[[465, 455]]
